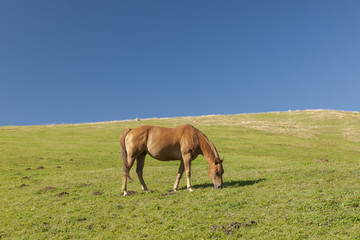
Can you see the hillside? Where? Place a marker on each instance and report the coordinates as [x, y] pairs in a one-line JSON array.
[[287, 175]]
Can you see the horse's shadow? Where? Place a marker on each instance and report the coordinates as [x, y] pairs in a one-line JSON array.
[[230, 184]]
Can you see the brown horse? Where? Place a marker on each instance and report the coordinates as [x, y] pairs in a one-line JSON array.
[[182, 143]]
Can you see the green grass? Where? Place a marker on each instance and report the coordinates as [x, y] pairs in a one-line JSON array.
[[274, 188]]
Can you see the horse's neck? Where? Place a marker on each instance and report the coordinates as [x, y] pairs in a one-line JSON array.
[[208, 149]]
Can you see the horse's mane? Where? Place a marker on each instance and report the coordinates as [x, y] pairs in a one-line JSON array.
[[212, 146]]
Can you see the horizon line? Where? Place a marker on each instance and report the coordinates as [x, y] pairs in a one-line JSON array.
[[153, 118]]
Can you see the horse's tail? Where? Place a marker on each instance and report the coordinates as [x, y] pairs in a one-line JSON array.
[[126, 168]]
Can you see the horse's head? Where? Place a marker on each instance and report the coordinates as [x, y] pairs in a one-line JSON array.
[[215, 173]]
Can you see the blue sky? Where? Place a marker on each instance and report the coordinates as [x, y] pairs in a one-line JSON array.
[[89, 61]]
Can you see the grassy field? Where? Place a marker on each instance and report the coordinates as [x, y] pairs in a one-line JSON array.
[[288, 175]]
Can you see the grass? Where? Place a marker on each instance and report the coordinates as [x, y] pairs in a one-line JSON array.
[[64, 181]]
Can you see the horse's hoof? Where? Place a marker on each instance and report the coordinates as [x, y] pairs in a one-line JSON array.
[[126, 194], [191, 190], [175, 190], [147, 190]]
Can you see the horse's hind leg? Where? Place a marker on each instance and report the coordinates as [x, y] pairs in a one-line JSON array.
[[140, 162], [178, 177], [124, 185]]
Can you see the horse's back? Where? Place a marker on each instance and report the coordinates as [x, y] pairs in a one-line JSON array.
[[180, 134]]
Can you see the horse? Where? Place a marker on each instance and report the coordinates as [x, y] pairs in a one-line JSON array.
[[182, 143]]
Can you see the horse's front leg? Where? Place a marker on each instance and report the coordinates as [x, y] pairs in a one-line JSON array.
[[178, 177], [187, 165]]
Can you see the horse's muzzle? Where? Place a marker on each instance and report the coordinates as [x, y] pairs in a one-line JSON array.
[[217, 186]]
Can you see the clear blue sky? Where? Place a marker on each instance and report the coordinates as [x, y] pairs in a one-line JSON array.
[[88, 61]]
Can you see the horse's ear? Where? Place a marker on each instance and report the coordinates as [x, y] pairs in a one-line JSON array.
[[220, 161]]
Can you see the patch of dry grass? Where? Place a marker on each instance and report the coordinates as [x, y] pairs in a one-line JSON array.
[[304, 124]]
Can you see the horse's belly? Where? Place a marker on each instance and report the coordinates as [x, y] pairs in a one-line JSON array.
[[165, 154]]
